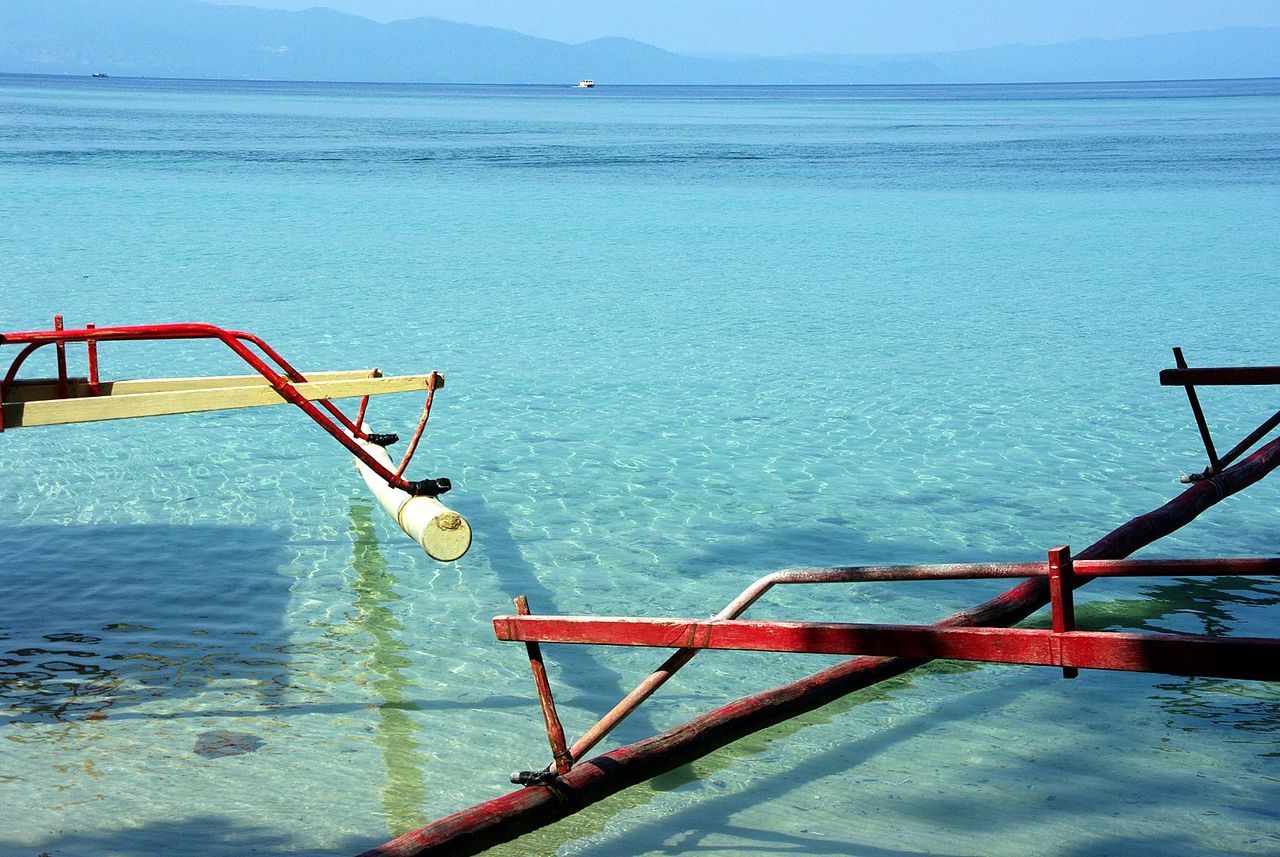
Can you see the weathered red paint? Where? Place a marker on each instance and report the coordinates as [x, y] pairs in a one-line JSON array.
[[434, 381], [1061, 646], [1091, 568], [1220, 376], [1241, 658]]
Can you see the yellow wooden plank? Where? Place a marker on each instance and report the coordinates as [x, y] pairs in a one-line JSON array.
[[42, 389], [153, 404]]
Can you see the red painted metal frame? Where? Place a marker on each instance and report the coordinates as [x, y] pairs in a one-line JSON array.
[[1062, 645], [337, 424], [1070, 574], [1220, 376]]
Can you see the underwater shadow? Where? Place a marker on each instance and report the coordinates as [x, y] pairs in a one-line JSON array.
[[206, 835], [830, 541], [713, 816], [594, 686], [112, 616]]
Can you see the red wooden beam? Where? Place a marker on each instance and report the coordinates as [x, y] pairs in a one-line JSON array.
[[1220, 376], [1230, 567], [281, 378], [868, 574], [1242, 658]]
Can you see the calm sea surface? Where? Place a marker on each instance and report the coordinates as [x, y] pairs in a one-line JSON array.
[[691, 336]]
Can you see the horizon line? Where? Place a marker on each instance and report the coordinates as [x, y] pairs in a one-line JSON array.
[[598, 85]]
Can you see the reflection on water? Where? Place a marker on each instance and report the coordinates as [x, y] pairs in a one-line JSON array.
[[1213, 604], [1250, 706], [1215, 607], [108, 617], [404, 794]]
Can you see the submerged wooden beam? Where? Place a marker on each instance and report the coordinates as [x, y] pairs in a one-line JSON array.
[[209, 397], [502, 819]]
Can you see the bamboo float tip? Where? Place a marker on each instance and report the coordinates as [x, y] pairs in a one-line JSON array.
[[447, 537], [441, 532]]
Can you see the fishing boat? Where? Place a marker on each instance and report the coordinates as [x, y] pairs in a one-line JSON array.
[[414, 504], [586, 83]]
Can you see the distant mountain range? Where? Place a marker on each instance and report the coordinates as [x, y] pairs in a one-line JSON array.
[[189, 39]]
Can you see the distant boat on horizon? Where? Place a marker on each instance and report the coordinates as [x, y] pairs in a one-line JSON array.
[[586, 83], [99, 74]]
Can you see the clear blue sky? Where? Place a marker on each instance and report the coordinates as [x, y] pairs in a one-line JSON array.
[[822, 26]]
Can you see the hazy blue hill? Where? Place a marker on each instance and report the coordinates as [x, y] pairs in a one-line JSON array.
[[185, 38], [1234, 52], [180, 39]]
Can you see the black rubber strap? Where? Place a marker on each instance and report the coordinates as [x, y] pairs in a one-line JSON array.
[[429, 487]]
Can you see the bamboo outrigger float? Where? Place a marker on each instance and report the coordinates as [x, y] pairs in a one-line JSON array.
[[572, 782], [414, 504]]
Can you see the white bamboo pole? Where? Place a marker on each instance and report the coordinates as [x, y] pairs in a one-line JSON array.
[[443, 533]]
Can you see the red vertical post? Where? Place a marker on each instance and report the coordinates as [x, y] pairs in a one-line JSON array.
[[555, 732], [1061, 599], [92, 345], [62, 360]]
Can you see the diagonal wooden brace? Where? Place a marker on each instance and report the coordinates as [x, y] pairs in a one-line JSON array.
[[555, 732]]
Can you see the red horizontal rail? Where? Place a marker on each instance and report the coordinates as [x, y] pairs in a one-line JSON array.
[[1236, 567], [1220, 376], [1074, 572], [336, 423], [1235, 657], [1232, 567]]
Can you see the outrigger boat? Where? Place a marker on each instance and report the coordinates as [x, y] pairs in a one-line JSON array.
[[573, 780], [414, 504]]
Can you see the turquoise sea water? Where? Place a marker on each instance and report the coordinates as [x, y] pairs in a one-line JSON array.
[[691, 336]]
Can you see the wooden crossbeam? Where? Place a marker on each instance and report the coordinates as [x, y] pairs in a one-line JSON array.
[[1220, 376], [163, 396], [43, 389], [1183, 654]]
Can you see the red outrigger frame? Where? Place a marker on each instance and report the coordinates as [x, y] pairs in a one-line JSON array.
[[281, 378], [1062, 645], [573, 781], [1251, 658]]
